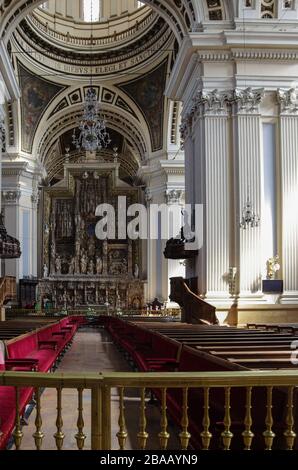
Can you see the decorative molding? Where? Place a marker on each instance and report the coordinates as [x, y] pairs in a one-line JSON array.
[[35, 198], [148, 196], [253, 54], [148, 48], [174, 196], [219, 103], [248, 100], [214, 102], [287, 100], [11, 197], [275, 55]]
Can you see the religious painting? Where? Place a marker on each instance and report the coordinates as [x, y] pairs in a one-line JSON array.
[[36, 95], [148, 93]]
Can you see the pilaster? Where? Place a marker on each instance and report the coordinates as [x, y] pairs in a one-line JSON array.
[[248, 185], [289, 191]]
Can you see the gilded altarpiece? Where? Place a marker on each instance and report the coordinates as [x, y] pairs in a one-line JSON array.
[[80, 270]]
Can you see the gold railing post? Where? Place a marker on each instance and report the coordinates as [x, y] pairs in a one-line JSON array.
[[289, 434], [96, 418], [38, 435], [17, 433], [106, 418], [206, 434], [142, 434], [269, 434], [227, 435], [80, 436], [163, 435], [122, 433], [184, 435], [59, 436], [247, 434]]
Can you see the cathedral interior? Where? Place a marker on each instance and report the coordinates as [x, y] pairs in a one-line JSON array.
[[148, 227]]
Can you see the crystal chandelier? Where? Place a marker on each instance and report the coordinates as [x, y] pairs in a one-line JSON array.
[[249, 218], [93, 134]]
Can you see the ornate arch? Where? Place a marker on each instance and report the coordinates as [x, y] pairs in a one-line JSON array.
[[116, 119]]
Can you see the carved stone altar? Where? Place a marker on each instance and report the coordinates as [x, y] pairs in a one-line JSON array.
[[79, 269]]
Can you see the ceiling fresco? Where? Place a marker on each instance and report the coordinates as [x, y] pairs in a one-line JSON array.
[[36, 95]]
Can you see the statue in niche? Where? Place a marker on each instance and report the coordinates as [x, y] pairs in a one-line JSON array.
[[78, 220], [136, 271], [99, 265], [45, 271], [91, 267], [77, 265], [80, 297], [53, 251], [91, 247], [72, 266], [58, 264], [64, 298], [78, 248], [84, 264], [82, 225]]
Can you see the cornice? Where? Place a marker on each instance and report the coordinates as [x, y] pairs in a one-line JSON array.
[[248, 54], [163, 167], [14, 168]]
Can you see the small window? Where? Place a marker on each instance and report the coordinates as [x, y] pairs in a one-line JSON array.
[[248, 3], [91, 10]]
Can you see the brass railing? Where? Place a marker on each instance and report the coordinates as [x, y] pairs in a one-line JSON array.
[[103, 427]]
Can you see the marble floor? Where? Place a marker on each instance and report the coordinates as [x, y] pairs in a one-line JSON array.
[[93, 351]]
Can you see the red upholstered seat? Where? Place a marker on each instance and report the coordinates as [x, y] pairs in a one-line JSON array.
[[7, 402], [34, 350]]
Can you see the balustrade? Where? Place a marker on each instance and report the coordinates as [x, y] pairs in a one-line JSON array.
[[102, 427]]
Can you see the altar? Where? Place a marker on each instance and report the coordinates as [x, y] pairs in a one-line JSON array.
[[79, 269]]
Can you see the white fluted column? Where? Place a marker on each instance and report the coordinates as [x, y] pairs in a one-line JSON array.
[[212, 187], [289, 193], [217, 206], [248, 184]]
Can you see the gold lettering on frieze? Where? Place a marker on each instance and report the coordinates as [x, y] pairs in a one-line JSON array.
[[86, 70]]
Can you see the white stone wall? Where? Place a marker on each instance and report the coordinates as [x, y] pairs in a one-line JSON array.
[[228, 96]]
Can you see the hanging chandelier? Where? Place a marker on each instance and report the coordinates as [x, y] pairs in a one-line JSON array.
[[93, 134], [249, 218]]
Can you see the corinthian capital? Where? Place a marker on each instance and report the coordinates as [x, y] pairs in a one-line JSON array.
[[248, 100], [287, 100], [214, 102], [11, 197], [174, 196]]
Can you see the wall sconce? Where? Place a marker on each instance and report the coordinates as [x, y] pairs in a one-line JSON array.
[[249, 218], [232, 279]]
